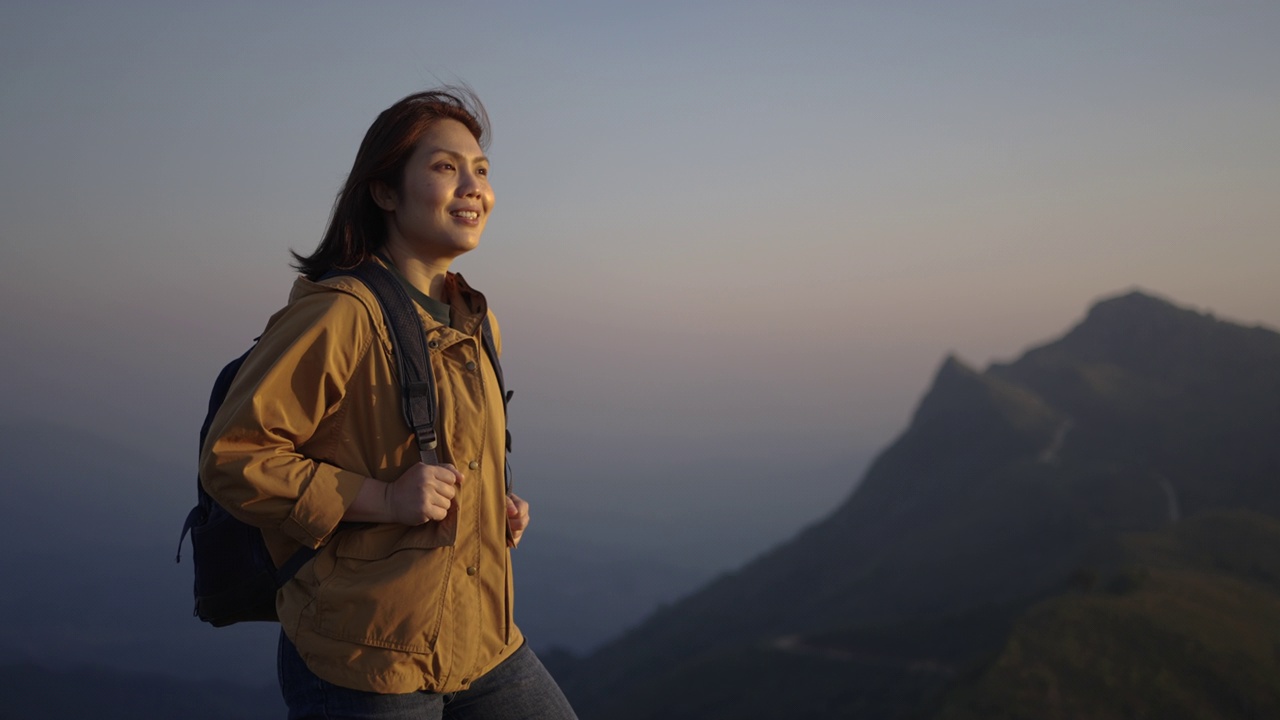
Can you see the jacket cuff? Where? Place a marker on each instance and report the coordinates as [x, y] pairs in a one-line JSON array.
[[321, 506]]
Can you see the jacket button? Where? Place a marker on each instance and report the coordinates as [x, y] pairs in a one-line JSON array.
[[472, 570], [471, 364], [473, 465], [433, 344]]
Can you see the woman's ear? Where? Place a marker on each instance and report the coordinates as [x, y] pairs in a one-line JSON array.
[[383, 196]]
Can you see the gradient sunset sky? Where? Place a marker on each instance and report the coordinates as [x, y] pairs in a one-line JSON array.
[[732, 240]]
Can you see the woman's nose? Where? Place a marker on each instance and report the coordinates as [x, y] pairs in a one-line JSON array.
[[471, 187]]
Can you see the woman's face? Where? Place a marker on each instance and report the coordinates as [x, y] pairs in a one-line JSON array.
[[444, 199]]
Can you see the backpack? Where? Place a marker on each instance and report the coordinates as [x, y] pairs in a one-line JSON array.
[[235, 578]]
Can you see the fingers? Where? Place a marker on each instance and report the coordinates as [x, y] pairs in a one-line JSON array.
[[457, 475], [516, 506], [437, 499], [517, 518], [428, 492], [442, 483], [425, 492]]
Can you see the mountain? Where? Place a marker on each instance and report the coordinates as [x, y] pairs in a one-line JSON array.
[[1008, 487]]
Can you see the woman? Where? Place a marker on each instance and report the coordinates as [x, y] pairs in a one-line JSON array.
[[405, 612]]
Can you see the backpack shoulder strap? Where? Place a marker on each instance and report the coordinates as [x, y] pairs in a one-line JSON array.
[[409, 343], [491, 349]]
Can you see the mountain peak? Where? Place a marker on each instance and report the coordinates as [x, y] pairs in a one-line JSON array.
[[960, 394], [953, 364], [1152, 337], [1134, 306]]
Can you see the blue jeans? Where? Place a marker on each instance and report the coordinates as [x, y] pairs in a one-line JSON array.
[[518, 689]]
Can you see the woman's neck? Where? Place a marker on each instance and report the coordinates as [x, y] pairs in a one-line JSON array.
[[425, 274]]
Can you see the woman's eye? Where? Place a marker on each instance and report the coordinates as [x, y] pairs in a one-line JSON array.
[[445, 166], [483, 171]]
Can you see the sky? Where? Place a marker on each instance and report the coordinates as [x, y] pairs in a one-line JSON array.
[[732, 241]]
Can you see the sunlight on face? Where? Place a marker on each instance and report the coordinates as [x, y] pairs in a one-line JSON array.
[[444, 198]]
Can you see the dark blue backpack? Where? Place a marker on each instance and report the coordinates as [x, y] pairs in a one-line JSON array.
[[235, 578]]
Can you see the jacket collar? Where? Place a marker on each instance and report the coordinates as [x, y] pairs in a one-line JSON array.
[[469, 306]]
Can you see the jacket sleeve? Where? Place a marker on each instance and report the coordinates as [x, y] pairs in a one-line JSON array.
[[253, 461]]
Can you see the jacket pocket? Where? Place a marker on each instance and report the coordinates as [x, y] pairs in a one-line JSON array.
[[376, 542], [388, 586]]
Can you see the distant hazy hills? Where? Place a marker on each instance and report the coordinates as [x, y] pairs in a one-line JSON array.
[[1092, 530], [93, 600], [31, 692]]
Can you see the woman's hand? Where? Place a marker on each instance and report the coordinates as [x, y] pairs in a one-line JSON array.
[[422, 493], [517, 519]]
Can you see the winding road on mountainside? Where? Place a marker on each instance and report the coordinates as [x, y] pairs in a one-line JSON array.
[[1049, 456], [796, 645]]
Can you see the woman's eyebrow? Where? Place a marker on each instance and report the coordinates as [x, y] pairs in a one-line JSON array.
[[459, 156]]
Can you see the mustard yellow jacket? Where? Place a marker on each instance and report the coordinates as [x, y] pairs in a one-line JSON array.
[[313, 411]]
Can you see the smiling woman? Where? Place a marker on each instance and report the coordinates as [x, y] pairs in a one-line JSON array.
[[440, 208], [414, 149], [405, 610]]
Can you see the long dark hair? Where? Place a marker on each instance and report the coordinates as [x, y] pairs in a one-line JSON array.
[[357, 228]]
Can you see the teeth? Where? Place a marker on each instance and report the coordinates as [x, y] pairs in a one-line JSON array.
[[466, 214]]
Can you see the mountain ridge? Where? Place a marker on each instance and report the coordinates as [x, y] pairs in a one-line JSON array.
[[1004, 484]]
